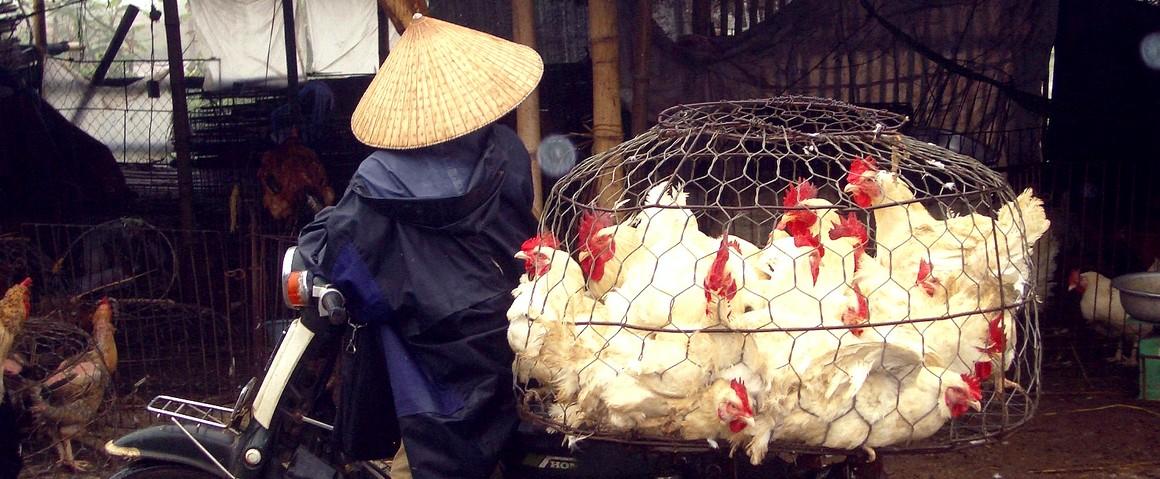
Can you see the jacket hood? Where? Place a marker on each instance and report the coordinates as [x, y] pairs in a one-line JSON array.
[[451, 187]]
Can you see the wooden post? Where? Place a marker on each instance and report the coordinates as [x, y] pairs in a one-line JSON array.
[[401, 11], [640, 75], [384, 33], [702, 17], [115, 44], [724, 18], [39, 37], [528, 113], [607, 131], [180, 114]]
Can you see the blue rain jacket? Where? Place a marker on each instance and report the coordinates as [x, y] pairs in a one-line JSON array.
[[422, 245]]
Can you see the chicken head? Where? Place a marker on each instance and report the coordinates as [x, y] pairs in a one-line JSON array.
[[860, 182], [962, 393], [733, 406], [596, 249], [1076, 281]]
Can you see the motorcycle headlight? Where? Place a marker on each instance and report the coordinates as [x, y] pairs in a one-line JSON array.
[[295, 281]]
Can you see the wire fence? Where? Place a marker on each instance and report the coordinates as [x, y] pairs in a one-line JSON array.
[[179, 299], [130, 111]]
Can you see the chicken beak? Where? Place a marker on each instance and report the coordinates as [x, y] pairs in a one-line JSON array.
[[787, 217], [749, 421], [521, 255], [583, 255], [851, 188], [976, 405], [1071, 287]]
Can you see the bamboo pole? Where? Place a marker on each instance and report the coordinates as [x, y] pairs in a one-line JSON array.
[[39, 37], [607, 131], [291, 37], [702, 17], [528, 113], [115, 44], [640, 76], [402, 11], [724, 4], [384, 22], [180, 114]]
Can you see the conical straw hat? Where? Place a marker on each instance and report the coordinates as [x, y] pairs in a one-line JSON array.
[[443, 81]]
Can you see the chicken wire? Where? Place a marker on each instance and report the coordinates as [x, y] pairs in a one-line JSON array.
[[741, 163], [49, 344], [177, 292]]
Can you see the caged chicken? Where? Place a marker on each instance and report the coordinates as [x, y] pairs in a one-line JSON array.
[[292, 178], [892, 290], [68, 399]]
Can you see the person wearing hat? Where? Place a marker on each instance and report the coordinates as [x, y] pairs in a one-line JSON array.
[[422, 241]]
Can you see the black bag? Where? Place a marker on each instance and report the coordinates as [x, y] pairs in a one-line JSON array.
[[366, 426]]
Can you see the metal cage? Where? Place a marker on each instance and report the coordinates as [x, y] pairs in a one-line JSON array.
[[719, 251]]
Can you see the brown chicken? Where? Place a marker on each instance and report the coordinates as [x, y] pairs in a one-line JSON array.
[[14, 309], [68, 399], [291, 177]]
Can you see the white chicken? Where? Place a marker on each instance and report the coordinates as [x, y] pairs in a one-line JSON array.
[[679, 364], [542, 296], [603, 248], [910, 243], [894, 408], [906, 234], [661, 285], [870, 395], [723, 410], [1101, 307]]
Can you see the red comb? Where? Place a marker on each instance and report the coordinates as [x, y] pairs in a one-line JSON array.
[[739, 388], [859, 166], [736, 245], [591, 223], [849, 227], [27, 283], [545, 238], [997, 336], [804, 190], [719, 280], [923, 270], [973, 382]]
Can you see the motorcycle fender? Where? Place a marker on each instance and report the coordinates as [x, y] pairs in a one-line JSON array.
[[168, 443]]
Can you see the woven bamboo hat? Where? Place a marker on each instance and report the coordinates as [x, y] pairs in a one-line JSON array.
[[442, 81]]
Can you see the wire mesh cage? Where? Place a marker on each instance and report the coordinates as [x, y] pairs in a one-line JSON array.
[[784, 274], [60, 383], [176, 291]]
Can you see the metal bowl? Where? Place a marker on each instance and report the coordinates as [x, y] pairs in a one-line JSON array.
[[1140, 295]]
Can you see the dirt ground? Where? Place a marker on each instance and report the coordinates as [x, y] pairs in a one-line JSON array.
[[1089, 425]]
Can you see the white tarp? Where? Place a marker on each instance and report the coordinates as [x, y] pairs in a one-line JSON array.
[[342, 36], [133, 125], [334, 37]]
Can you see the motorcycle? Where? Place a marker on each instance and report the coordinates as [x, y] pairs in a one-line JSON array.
[[282, 424]]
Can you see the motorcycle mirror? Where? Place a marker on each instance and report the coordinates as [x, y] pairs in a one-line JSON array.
[[557, 155]]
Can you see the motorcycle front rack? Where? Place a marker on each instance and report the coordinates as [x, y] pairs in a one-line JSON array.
[[192, 411]]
